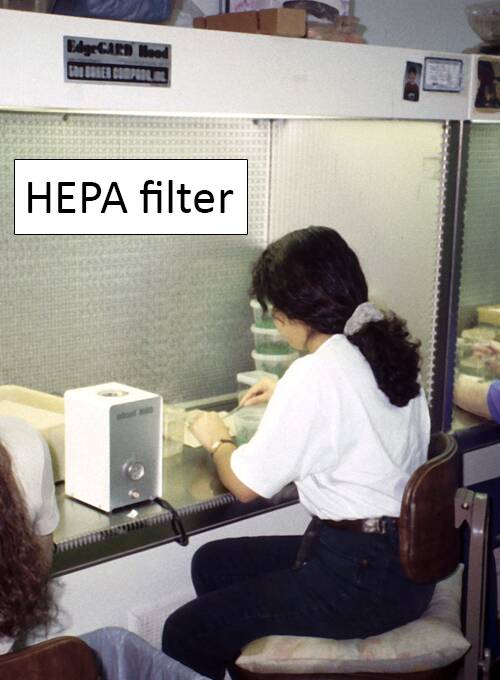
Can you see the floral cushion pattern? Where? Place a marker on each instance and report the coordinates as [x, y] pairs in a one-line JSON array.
[[432, 641]]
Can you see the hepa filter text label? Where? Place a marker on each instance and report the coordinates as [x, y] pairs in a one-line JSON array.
[[131, 196]]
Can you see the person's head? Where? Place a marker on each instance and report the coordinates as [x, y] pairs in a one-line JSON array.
[[310, 276], [25, 599], [315, 282], [412, 74]]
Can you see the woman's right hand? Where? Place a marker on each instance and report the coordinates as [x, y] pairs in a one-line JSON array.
[[260, 393]]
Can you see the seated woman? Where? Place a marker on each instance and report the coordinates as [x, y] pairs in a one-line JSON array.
[[28, 516], [349, 424]]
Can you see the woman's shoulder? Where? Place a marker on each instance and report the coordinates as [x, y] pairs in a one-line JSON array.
[[327, 362], [337, 355], [11, 426]]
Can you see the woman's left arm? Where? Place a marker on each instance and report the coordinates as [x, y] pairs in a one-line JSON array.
[[47, 517], [47, 545], [210, 429], [222, 460]]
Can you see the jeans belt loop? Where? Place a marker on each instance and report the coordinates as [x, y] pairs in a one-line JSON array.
[[307, 541], [375, 525]]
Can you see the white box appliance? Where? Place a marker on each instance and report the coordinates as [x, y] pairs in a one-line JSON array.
[[113, 444]]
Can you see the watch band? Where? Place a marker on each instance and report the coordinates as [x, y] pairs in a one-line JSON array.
[[218, 443]]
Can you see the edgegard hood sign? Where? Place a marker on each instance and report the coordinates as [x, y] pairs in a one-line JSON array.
[[117, 62]]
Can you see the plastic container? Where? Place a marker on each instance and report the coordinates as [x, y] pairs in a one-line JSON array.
[[473, 365], [246, 379], [464, 349], [260, 318], [174, 423], [484, 19], [269, 341], [481, 333], [274, 363], [489, 315], [246, 421]]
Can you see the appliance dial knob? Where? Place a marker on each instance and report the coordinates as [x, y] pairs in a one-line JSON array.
[[133, 493], [135, 471]]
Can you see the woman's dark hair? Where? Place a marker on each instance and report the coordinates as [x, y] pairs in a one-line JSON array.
[[25, 598], [313, 276]]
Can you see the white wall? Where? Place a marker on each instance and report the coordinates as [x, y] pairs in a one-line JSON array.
[[422, 24], [151, 583]]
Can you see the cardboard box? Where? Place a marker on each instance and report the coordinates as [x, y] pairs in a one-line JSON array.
[[199, 22], [240, 22], [283, 21]]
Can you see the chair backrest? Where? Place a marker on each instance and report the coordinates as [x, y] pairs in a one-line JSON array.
[[432, 512], [62, 657], [429, 541]]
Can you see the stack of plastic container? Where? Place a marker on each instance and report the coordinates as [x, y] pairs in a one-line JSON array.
[[272, 356], [272, 353]]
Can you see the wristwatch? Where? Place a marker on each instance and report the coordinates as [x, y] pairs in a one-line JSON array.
[[218, 443]]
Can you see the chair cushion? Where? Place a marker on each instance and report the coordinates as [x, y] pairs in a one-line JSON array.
[[432, 641]]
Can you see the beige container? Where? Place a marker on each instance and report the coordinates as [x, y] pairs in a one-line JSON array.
[[44, 412], [479, 334], [490, 314]]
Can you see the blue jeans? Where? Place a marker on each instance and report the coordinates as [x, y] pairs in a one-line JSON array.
[[351, 586], [122, 655]]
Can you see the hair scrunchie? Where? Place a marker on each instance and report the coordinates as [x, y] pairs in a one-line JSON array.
[[363, 314]]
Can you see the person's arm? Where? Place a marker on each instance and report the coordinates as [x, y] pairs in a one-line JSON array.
[[470, 393], [478, 396], [48, 516], [260, 393], [291, 439], [47, 544], [209, 429], [493, 400], [222, 460]]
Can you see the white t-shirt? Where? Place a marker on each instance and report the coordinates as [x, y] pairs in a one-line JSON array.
[[32, 468], [332, 431]]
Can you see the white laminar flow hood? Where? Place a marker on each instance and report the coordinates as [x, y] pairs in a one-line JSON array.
[[215, 73]]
